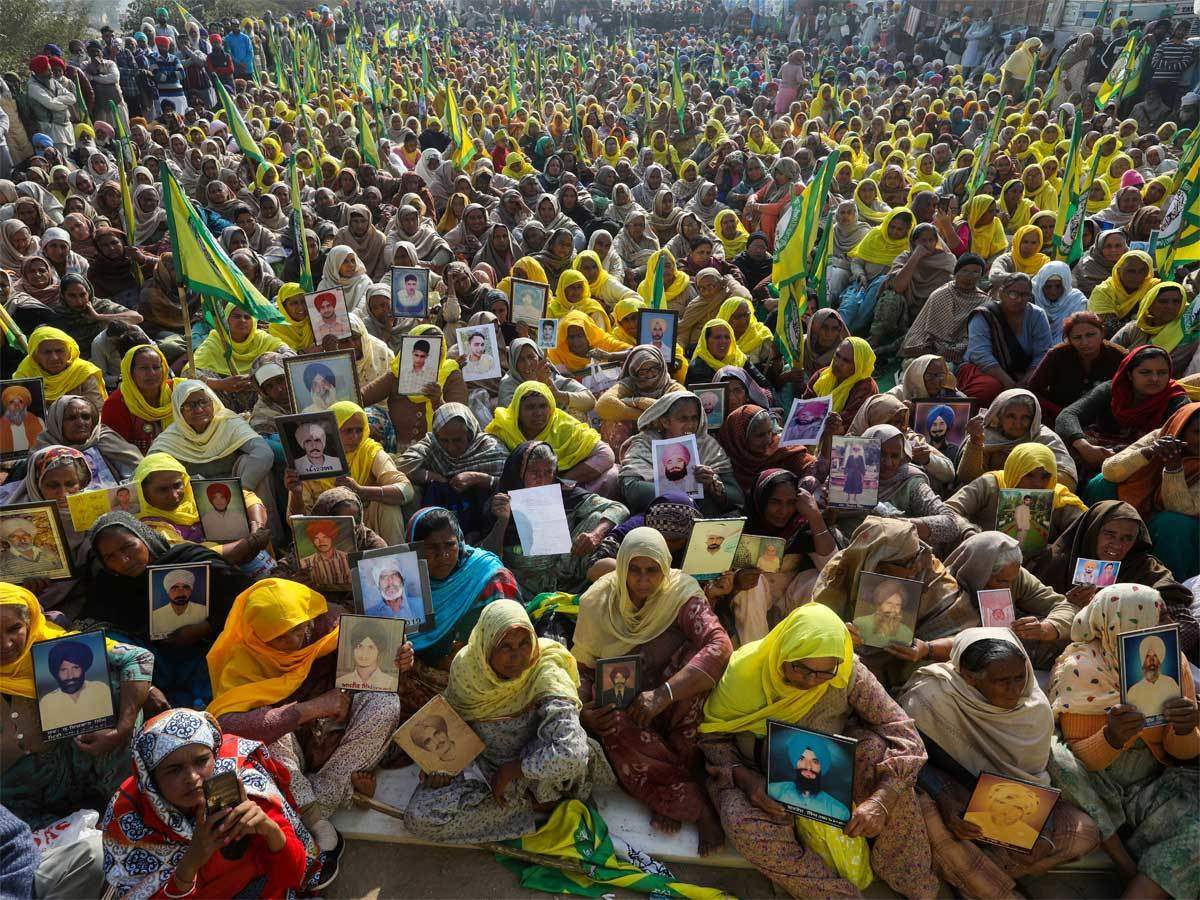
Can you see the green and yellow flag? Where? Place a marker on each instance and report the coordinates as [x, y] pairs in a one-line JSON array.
[[678, 98], [297, 226], [1126, 74], [1178, 241], [237, 125], [366, 138], [456, 129], [201, 264], [1072, 205], [983, 151]]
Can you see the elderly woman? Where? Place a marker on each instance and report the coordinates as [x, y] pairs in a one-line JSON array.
[[158, 817], [519, 693], [979, 711], [224, 358], [140, 408], [1129, 776], [54, 357], [675, 415], [635, 244], [72, 421], [1013, 418], [533, 415], [750, 438], [646, 608], [847, 379], [915, 274], [805, 673], [272, 672], [44, 780], [1006, 339], [645, 378]]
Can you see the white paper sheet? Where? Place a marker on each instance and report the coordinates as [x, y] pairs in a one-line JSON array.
[[541, 520]]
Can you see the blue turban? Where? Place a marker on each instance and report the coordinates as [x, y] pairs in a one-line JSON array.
[[943, 412], [70, 651]]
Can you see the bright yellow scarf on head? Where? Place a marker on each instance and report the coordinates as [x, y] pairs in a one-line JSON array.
[[246, 671], [1029, 265], [1023, 459], [601, 276], [296, 333], [879, 249], [990, 239], [477, 693], [16, 677], [137, 404], [534, 271], [670, 291], [571, 440], [363, 457], [1019, 217], [762, 147], [1169, 335], [560, 306], [756, 332], [753, 688], [1110, 297], [827, 384], [447, 368], [865, 212], [735, 245], [624, 307], [186, 512], [211, 353], [75, 373], [733, 357]]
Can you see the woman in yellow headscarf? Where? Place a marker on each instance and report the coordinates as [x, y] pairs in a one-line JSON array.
[[731, 232], [1014, 209], [664, 154], [1017, 68], [602, 286], [878, 249], [1045, 145], [1027, 256], [246, 343], [573, 294], [1115, 298], [141, 407], [413, 413], [54, 358], [1115, 170], [274, 636], [381, 488], [753, 337], [1038, 190], [847, 379], [984, 231], [296, 329], [578, 336], [675, 282], [760, 143], [1157, 191], [926, 173], [822, 103], [716, 348], [1159, 321], [871, 209], [532, 415]]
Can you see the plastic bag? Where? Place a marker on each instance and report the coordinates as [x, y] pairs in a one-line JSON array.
[[65, 831], [850, 857]]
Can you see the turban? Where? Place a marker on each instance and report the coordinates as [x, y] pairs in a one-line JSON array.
[[178, 576], [218, 490], [1154, 644], [162, 42], [39, 65], [57, 64], [311, 373], [16, 392], [70, 651], [325, 527], [10, 526]]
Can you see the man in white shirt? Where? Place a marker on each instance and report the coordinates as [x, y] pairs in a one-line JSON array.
[[311, 438], [179, 610], [76, 699], [1155, 688]]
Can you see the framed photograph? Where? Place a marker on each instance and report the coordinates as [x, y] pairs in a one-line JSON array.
[[1100, 572], [178, 597], [618, 681], [410, 292], [755, 551], [854, 473], [222, 508], [420, 359], [328, 314], [712, 546], [70, 676], [675, 461], [714, 401], [1149, 661], [1025, 515], [658, 327], [996, 608], [32, 543], [547, 335], [529, 301], [806, 422], [437, 739], [480, 348], [22, 416], [811, 773], [885, 610], [393, 583], [318, 381], [1010, 813], [87, 506], [312, 445], [366, 659], [944, 425], [323, 548], [222, 791]]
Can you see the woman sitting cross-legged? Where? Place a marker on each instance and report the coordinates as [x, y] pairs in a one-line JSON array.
[[159, 841], [646, 608], [519, 693], [805, 673], [982, 711]]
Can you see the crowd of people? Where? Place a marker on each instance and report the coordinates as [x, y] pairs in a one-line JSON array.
[[623, 163]]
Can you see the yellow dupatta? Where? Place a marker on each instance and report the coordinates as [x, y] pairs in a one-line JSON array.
[[879, 249], [363, 458], [670, 291], [1110, 297], [734, 357], [137, 404], [16, 677], [296, 333], [1028, 265], [735, 245], [602, 276], [571, 440], [989, 240], [211, 354], [75, 373], [186, 513], [534, 271], [1169, 335], [445, 370], [756, 332], [867, 213], [827, 384], [560, 354], [1023, 459], [560, 306], [1019, 217]]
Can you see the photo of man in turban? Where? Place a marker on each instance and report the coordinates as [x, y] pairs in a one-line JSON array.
[[19, 427], [180, 598], [326, 565], [22, 555], [1008, 813], [222, 514], [1156, 686], [77, 698], [322, 387]]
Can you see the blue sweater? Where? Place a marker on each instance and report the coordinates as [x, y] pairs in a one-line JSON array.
[[18, 858], [1034, 338]]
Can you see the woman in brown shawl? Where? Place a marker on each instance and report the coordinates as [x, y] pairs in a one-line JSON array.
[[365, 240], [825, 332], [751, 441], [915, 274], [644, 379], [1094, 268]]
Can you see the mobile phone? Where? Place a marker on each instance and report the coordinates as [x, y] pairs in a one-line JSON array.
[[222, 791]]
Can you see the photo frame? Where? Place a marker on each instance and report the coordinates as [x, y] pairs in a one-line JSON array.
[[547, 334], [885, 609], [712, 546], [87, 506], [1149, 667], [529, 299], [437, 739], [366, 657], [73, 686], [312, 445], [811, 773], [659, 328], [393, 583], [178, 596], [420, 360], [1010, 812], [996, 608], [222, 507], [756, 551], [854, 473], [33, 543], [714, 401], [1100, 572], [480, 349], [675, 461], [1025, 516], [22, 416], [806, 422], [410, 292], [942, 423], [618, 681], [323, 548], [319, 380], [328, 315]]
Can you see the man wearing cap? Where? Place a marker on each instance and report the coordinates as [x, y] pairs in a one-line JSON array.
[[106, 82], [76, 699], [162, 28], [168, 76], [393, 602], [50, 102], [179, 610], [23, 556], [241, 48], [19, 427]]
